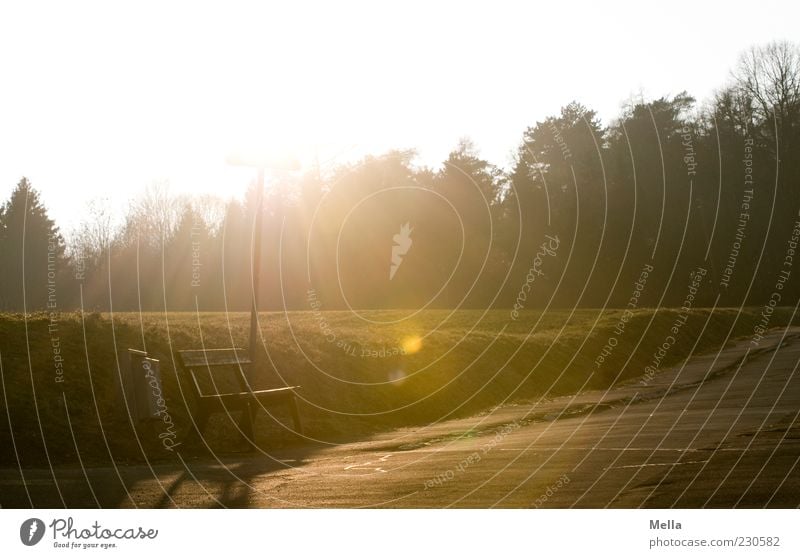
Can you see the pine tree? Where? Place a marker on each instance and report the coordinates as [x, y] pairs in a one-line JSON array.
[[31, 254]]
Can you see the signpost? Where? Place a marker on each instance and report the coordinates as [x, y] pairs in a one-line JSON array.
[[256, 264], [261, 163]]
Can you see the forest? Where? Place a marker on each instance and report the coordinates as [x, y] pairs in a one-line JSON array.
[[675, 201]]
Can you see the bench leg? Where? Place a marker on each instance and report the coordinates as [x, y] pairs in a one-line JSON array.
[[292, 403], [246, 424], [196, 429]]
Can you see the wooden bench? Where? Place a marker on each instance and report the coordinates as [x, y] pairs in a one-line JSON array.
[[218, 379]]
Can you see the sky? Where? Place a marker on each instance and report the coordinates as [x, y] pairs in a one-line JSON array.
[[100, 99]]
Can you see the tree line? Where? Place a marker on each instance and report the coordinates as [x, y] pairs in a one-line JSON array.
[[676, 187]]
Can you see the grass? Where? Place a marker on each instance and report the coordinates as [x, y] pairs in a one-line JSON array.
[[355, 378]]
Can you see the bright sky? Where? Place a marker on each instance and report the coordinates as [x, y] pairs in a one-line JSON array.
[[102, 98]]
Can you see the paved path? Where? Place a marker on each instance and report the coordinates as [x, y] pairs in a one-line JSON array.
[[721, 431]]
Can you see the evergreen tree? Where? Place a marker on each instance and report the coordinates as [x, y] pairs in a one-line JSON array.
[[32, 251]]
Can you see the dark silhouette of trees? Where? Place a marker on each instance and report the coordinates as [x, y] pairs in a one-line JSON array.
[[669, 184], [768, 77], [32, 249]]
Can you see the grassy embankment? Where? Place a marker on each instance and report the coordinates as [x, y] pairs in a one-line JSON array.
[[465, 365]]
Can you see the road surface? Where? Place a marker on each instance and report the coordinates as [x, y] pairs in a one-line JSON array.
[[720, 431]]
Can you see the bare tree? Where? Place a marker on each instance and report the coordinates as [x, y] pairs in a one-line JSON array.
[[211, 209], [154, 216], [770, 76], [91, 240]]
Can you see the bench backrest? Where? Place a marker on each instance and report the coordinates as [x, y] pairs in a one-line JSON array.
[[216, 371]]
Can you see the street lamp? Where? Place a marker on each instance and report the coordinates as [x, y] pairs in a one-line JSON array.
[[260, 162]]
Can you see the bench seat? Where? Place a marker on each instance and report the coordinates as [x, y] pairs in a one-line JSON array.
[[214, 395]]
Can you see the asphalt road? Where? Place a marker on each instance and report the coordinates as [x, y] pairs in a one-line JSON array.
[[720, 431]]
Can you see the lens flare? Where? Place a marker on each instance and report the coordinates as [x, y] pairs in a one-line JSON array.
[[412, 344]]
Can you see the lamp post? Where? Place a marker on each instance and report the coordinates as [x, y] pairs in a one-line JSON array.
[[256, 263], [261, 163]]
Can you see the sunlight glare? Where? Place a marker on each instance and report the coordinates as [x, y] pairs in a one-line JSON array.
[[412, 344]]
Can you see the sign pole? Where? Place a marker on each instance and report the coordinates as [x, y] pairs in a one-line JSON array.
[[256, 267]]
